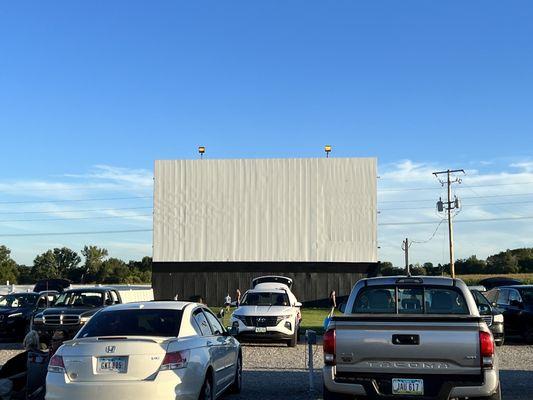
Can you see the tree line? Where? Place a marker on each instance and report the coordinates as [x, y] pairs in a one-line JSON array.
[[65, 263], [506, 262]]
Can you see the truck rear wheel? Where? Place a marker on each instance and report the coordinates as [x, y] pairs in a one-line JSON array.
[[335, 396]]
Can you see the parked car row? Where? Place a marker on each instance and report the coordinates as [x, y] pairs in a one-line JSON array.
[[52, 307], [399, 337]]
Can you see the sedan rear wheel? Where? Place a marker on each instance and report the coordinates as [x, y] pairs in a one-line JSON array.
[[237, 383], [207, 390]]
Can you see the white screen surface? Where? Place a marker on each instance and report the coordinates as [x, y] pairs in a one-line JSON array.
[[266, 210]]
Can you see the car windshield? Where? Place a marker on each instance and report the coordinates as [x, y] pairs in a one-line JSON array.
[[265, 299], [479, 298], [527, 295], [140, 322], [80, 299], [18, 300], [409, 300]]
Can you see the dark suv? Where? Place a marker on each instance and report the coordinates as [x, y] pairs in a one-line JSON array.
[[493, 316], [516, 302], [18, 309]]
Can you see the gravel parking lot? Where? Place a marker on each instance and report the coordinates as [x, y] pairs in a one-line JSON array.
[[274, 372], [277, 372]]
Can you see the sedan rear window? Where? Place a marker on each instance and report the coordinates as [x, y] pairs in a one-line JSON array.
[[409, 300], [164, 323]]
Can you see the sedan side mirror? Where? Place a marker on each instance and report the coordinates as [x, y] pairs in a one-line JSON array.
[[233, 331], [516, 303]]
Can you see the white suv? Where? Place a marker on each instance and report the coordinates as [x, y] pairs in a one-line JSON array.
[[268, 312]]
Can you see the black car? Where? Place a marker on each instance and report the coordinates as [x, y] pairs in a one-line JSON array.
[[491, 315], [18, 309], [491, 283], [516, 302]]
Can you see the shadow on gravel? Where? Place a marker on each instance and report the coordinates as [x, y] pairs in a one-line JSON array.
[[516, 384], [271, 385], [277, 385]]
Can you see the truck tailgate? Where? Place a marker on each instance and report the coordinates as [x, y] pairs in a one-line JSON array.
[[407, 344]]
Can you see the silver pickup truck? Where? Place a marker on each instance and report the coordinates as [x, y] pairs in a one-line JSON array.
[[410, 338]]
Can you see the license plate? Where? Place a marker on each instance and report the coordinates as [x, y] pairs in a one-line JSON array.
[[413, 387], [117, 365], [260, 330]]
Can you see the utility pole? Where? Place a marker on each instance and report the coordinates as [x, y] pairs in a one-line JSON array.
[[450, 205], [405, 248]]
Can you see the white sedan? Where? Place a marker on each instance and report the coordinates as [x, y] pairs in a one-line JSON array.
[[152, 350]]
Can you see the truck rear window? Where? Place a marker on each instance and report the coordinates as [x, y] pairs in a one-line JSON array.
[[409, 300]]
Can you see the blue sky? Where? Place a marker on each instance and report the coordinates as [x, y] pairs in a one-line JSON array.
[[92, 92]]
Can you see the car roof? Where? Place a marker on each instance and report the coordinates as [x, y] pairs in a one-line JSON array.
[[153, 305], [88, 289], [425, 280], [31, 293], [515, 287]]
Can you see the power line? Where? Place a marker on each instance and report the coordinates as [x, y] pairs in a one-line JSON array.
[[76, 218], [466, 186], [74, 200], [466, 204], [74, 233], [73, 211], [468, 198], [457, 221], [432, 235]]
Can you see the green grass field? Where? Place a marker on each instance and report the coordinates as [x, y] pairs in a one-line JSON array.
[[474, 279], [312, 318]]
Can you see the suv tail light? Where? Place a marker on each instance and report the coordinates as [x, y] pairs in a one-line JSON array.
[[486, 349], [56, 364], [175, 360], [329, 347]]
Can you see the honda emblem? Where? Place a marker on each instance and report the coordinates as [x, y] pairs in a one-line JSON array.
[[110, 349]]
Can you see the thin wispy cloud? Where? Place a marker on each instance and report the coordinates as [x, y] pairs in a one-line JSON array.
[[409, 192]]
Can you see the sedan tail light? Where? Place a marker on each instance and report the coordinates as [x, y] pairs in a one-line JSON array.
[[56, 364], [175, 360], [329, 347]]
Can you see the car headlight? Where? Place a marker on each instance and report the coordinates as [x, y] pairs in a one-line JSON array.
[[498, 318], [19, 314], [241, 318], [84, 320], [38, 319], [283, 317]]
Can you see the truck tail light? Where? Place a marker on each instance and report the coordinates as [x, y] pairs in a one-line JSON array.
[[56, 364], [486, 349], [175, 360], [329, 347]]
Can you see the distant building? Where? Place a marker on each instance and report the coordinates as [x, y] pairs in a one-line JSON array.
[[220, 223]]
